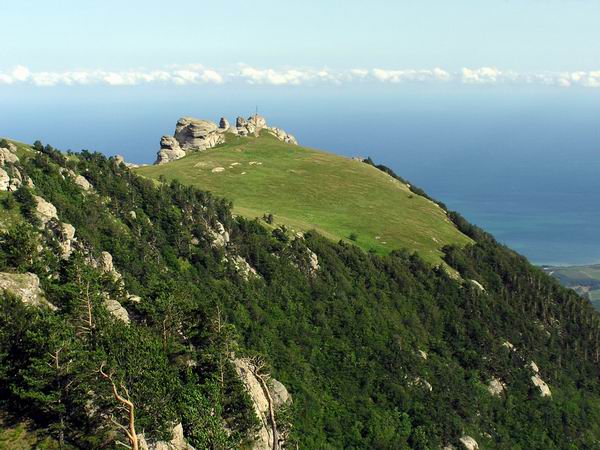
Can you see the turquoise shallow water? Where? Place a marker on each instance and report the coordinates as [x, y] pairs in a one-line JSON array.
[[522, 163]]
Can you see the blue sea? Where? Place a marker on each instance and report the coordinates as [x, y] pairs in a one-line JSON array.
[[521, 162]]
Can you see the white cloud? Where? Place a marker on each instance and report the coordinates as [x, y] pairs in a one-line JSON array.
[[196, 74]]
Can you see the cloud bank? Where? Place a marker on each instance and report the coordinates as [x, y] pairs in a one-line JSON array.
[[198, 75]]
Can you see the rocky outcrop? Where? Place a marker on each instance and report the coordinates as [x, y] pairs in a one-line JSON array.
[[265, 402], [283, 136], [4, 180], [177, 441], [242, 267], [65, 236], [469, 443], [538, 382], [196, 134], [25, 286], [44, 211], [169, 150], [6, 156], [220, 236], [496, 387], [116, 309]]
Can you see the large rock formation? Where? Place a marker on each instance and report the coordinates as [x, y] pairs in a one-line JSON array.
[[44, 211], [197, 134], [169, 150], [267, 397], [25, 286]]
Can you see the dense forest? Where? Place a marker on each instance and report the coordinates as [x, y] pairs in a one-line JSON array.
[[381, 352]]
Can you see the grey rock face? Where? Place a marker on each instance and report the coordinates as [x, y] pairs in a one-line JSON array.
[[6, 156], [44, 211], [4, 180], [169, 150], [25, 286], [197, 134]]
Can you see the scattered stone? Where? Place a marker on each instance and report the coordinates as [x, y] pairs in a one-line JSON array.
[[496, 387], [422, 354], [541, 385], [534, 367], [169, 150], [218, 170], [134, 298], [132, 215], [44, 211], [25, 286], [313, 260], [469, 443], [119, 159]]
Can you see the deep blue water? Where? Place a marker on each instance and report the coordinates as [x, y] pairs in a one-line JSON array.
[[523, 163]]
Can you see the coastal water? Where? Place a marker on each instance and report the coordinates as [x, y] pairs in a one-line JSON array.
[[523, 163]]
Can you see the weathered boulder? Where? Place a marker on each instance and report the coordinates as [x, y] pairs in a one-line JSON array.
[[169, 150], [478, 285], [177, 441], [279, 393], [496, 387], [44, 211], [65, 236], [469, 443], [258, 121], [283, 136], [4, 180], [82, 183], [119, 159], [116, 309], [242, 267], [25, 286], [220, 236], [6, 156], [196, 134], [106, 262], [422, 354]]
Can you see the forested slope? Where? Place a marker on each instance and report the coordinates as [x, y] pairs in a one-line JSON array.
[[377, 351]]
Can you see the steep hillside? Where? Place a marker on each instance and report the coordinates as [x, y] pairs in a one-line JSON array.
[[306, 189], [118, 288], [585, 280]]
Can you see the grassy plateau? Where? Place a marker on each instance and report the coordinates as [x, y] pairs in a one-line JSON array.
[[307, 189]]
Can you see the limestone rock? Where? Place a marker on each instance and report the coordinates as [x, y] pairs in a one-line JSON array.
[[313, 261], [44, 211], [119, 159], [106, 262], [243, 268], [65, 235], [177, 441], [469, 443], [223, 123], [283, 136], [240, 122], [422, 354], [264, 437], [508, 345], [279, 393], [219, 235], [6, 156], [496, 387], [478, 285], [116, 309], [169, 150], [258, 121], [16, 179], [83, 183], [4, 180], [11, 147], [197, 134], [25, 286]]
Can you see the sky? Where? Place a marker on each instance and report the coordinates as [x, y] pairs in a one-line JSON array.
[[116, 43]]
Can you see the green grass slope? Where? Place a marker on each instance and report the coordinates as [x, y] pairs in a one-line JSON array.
[[308, 189], [585, 280]]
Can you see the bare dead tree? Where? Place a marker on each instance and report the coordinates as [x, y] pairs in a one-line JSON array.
[[128, 406]]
